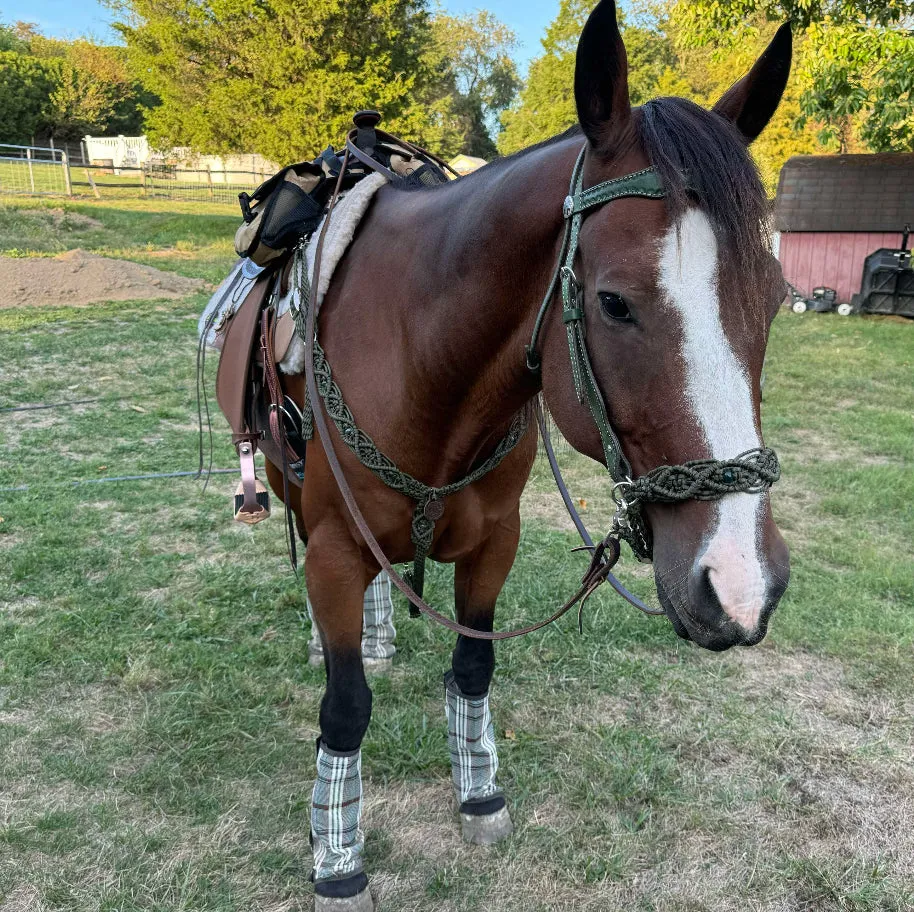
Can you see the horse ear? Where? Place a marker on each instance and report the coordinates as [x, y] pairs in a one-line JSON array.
[[601, 78], [751, 103]]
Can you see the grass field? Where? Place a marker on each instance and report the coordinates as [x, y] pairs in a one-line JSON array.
[[157, 713], [45, 177]]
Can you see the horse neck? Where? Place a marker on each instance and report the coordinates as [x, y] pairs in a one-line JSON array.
[[489, 246]]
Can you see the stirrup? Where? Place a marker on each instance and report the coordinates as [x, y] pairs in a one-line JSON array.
[[252, 500]]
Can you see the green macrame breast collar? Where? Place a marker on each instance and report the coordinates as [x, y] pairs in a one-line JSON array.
[[429, 500], [705, 479]]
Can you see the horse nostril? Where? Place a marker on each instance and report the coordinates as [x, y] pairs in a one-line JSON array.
[[739, 623], [706, 588]]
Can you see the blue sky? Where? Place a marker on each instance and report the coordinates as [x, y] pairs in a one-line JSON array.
[[68, 18]]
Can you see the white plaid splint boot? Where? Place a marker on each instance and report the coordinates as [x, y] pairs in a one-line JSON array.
[[484, 816], [340, 883], [378, 631]]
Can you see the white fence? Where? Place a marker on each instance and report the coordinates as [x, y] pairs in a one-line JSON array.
[[117, 151], [129, 152], [34, 169]]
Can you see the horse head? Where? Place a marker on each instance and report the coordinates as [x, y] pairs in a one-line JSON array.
[[679, 295]]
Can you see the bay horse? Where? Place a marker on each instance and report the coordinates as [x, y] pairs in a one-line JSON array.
[[425, 325]]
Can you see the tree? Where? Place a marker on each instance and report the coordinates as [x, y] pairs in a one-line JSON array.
[[703, 75], [11, 39], [481, 77], [62, 89], [93, 89], [283, 77], [661, 62], [26, 83], [546, 103], [855, 69], [708, 20]]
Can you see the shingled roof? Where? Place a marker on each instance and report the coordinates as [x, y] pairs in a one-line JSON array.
[[869, 193]]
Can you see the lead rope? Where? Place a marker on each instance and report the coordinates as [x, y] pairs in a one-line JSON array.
[[611, 578]]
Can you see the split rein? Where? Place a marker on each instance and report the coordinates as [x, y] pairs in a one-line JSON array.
[[751, 472]]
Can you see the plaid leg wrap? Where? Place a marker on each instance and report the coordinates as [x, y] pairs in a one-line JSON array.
[[379, 632], [336, 811], [471, 742]]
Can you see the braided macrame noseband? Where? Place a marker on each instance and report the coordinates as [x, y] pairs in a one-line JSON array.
[[708, 479], [702, 479]]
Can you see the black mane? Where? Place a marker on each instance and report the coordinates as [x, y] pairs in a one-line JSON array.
[[702, 160]]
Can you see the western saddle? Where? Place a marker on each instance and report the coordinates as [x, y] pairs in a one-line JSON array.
[[282, 213]]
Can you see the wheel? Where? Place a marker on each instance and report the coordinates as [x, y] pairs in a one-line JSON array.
[[799, 307], [845, 310]]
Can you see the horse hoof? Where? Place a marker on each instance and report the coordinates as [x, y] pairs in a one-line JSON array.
[[375, 667], [361, 902], [486, 829]]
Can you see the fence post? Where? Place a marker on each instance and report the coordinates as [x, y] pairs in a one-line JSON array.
[[209, 180], [28, 155], [92, 185], [143, 179], [65, 163]]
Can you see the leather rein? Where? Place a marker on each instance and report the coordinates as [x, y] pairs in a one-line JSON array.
[[702, 479]]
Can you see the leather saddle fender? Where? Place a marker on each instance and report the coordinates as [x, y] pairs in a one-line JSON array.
[[234, 371], [252, 504]]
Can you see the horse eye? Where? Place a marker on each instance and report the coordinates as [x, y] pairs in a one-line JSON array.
[[615, 308]]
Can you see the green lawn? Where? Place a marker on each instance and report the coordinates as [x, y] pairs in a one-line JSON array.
[[157, 713], [45, 177]]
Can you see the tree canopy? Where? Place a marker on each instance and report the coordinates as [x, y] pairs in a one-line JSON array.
[[474, 52], [659, 64], [855, 68], [63, 89], [546, 103], [851, 89], [283, 77]]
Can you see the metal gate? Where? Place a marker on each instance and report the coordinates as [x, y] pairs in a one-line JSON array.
[[34, 170]]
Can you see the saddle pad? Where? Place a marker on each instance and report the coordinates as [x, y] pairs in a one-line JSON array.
[[290, 351], [229, 296], [346, 218]]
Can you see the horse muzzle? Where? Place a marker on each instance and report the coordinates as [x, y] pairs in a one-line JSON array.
[[695, 608]]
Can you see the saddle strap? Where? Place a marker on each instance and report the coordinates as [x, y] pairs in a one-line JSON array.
[[604, 556], [277, 425], [271, 380]]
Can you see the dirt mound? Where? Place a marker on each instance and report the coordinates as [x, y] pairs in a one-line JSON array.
[[77, 277], [61, 218]]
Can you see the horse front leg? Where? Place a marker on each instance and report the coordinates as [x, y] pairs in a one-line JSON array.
[[337, 580], [478, 579]]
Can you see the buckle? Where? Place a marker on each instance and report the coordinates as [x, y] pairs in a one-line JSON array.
[[568, 207]]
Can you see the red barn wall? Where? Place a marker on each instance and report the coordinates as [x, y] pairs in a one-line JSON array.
[[834, 259]]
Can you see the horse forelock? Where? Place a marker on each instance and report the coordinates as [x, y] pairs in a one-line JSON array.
[[703, 161]]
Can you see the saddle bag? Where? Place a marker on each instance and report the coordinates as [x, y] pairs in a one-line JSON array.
[[281, 211]]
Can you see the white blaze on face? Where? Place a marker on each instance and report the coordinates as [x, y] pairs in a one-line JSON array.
[[717, 389]]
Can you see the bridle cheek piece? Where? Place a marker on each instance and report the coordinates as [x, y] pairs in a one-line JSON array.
[[707, 479]]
